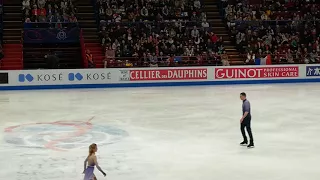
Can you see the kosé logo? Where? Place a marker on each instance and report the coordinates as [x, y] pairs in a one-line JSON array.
[[89, 76], [75, 76], [25, 77], [39, 77]]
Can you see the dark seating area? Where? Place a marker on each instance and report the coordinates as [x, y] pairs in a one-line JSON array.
[[1, 30], [69, 55], [51, 30], [1, 22], [40, 40]]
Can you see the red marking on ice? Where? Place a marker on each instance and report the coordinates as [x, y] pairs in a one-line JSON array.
[[80, 130], [10, 129]]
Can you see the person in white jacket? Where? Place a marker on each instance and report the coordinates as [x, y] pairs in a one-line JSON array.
[[26, 4], [250, 57]]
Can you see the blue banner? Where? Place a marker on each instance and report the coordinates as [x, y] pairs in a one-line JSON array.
[[71, 35], [313, 71]]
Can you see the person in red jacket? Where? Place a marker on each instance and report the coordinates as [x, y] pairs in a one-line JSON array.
[[42, 14], [213, 37], [35, 13]]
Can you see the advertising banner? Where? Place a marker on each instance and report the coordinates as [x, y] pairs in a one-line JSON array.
[[52, 77], [164, 74], [128, 77], [313, 71], [257, 72]]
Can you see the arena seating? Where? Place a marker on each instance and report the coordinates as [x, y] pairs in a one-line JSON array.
[[160, 33], [214, 11], [87, 19], [288, 30], [179, 30]]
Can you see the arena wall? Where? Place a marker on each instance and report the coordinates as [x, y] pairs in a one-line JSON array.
[[149, 77]]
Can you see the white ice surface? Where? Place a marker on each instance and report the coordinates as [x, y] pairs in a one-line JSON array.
[[173, 133]]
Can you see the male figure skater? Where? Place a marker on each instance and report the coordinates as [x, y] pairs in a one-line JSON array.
[[245, 121]]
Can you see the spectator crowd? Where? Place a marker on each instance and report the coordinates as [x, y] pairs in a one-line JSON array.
[[157, 32], [163, 32], [49, 11], [151, 10], [288, 30]]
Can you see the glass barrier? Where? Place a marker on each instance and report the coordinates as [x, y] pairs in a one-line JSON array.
[[161, 61], [52, 25], [40, 33]]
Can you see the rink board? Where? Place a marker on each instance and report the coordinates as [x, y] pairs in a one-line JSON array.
[[152, 77]]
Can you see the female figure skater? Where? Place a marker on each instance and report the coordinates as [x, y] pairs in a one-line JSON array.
[[92, 161]]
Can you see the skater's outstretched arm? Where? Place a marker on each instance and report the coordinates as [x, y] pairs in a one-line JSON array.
[[97, 165]]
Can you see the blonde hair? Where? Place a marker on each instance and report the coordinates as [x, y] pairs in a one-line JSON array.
[[92, 149]]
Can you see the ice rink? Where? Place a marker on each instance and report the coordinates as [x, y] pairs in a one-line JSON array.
[[169, 133]]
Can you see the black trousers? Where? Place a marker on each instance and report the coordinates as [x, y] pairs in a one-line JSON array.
[[246, 123]]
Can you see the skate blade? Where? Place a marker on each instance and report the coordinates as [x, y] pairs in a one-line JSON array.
[[250, 147], [243, 144]]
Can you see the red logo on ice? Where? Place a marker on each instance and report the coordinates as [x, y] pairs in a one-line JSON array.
[[263, 72], [168, 74]]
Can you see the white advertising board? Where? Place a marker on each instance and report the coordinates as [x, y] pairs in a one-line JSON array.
[[179, 75]]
